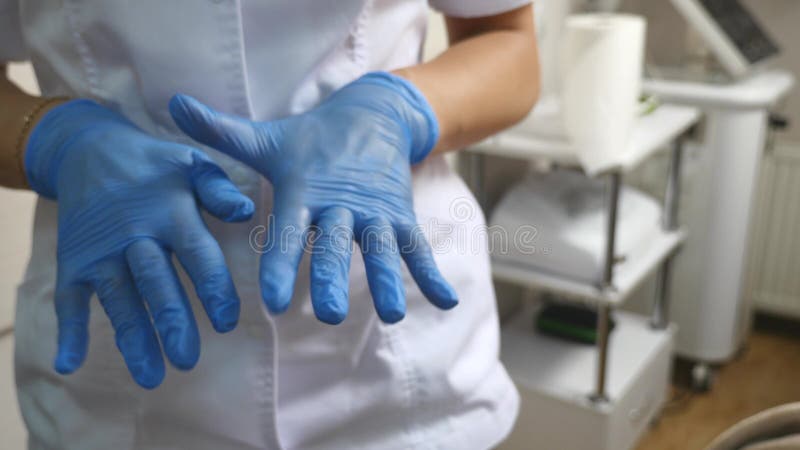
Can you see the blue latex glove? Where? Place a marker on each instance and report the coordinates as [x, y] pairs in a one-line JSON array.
[[345, 169], [126, 202]]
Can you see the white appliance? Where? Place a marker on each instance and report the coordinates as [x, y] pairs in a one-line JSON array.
[[731, 33], [707, 287]]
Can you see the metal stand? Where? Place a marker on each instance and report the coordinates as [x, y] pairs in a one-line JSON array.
[[603, 331], [603, 309], [475, 172], [659, 316], [614, 183]]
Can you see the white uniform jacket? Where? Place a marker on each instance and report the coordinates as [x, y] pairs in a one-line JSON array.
[[431, 381]]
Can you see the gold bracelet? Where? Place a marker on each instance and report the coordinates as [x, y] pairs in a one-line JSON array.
[[28, 123]]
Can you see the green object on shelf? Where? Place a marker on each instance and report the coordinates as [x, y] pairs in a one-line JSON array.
[[565, 330], [570, 322]]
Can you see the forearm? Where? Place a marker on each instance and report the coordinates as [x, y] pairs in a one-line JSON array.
[[18, 113], [486, 81]]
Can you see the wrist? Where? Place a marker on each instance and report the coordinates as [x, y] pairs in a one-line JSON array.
[[16, 141], [45, 143], [414, 112]]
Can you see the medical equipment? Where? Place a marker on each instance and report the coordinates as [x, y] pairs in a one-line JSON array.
[[707, 289], [346, 167], [731, 33], [612, 391], [107, 176]]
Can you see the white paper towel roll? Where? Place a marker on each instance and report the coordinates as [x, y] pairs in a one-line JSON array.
[[601, 68]]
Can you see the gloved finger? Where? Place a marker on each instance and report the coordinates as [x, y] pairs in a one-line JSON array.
[[417, 254], [330, 264], [283, 252], [72, 313], [217, 193], [230, 134], [158, 284], [382, 262], [135, 336], [201, 256]]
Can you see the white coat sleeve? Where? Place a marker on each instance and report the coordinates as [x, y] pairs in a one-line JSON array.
[[476, 8], [12, 47]]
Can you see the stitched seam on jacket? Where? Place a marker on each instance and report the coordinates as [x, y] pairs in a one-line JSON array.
[[87, 60], [360, 52]]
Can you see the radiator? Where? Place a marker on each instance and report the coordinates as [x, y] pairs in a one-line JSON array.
[[773, 276]]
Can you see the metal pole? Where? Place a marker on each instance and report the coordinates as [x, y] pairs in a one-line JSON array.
[[659, 319], [672, 196], [603, 308], [660, 314], [603, 330], [615, 180]]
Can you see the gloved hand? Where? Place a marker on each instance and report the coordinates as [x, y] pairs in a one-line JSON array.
[[345, 169], [126, 202]]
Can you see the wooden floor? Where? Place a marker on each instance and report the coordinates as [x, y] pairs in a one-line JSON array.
[[765, 374]]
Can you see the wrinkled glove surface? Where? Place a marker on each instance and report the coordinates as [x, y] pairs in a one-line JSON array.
[[340, 172], [126, 203]]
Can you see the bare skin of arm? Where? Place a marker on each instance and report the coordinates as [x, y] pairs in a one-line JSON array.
[[486, 81], [18, 107]]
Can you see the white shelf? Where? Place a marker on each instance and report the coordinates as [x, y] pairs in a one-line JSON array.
[[527, 141], [556, 377], [628, 274], [566, 370], [758, 91]]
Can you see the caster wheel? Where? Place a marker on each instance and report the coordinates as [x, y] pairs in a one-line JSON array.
[[702, 377]]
